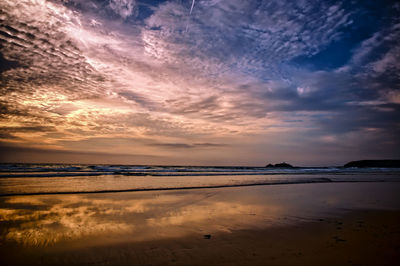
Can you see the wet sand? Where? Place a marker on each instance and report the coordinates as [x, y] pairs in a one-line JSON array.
[[311, 224]]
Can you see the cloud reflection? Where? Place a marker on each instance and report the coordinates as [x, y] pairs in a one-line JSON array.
[[144, 216], [47, 220]]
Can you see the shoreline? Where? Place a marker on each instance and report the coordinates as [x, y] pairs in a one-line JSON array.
[[117, 184], [321, 181]]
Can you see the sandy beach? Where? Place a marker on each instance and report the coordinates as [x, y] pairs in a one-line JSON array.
[[212, 132], [303, 224]]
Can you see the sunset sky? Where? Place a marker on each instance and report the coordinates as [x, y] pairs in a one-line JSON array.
[[206, 82]]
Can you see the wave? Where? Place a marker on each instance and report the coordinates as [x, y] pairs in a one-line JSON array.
[[43, 179], [61, 170]]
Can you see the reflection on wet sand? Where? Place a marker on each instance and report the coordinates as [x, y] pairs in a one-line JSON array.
[[48, 220]]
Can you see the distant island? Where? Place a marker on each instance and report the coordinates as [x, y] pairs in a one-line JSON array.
[[279, 165], [374, 163], [357, 164]]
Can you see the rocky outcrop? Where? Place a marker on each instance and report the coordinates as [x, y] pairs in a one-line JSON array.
[[279, 165], [374, 163]]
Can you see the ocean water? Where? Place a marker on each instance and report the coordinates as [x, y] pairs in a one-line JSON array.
[[41, 179]]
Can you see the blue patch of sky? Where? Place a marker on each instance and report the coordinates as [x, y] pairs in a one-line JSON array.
[[144, 12], [368, 18]]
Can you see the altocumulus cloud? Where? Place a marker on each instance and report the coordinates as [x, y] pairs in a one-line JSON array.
[[240, 81]]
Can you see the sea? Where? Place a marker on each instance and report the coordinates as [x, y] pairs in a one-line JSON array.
[[43, 179]]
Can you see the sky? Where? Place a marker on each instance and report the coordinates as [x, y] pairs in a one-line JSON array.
[[206, 82]]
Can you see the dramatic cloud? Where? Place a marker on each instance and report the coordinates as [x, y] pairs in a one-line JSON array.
[[210, 82]]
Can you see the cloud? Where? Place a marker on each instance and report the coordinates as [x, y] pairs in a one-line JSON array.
[[282, 30], [15, 153], [233, 74], [137, 98], [188, 146], [46, 55], [124, 8]]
